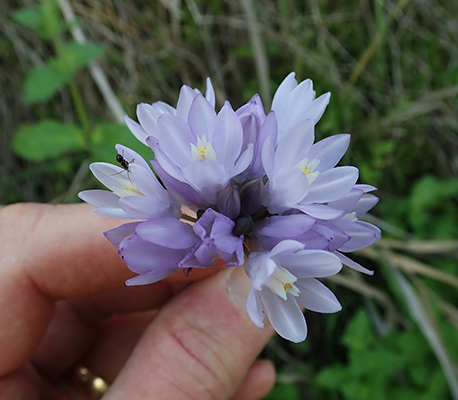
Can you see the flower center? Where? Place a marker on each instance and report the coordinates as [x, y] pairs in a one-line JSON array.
[[308, 168], [203, 150], [129, 189], [281, 282]]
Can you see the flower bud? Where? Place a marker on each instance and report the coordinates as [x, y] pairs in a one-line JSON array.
[[243, 225], [252, 195], [228, 202]]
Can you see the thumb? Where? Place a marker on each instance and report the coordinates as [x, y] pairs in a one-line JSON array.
[[199, 346]]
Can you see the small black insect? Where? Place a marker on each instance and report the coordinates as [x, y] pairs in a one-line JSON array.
[[124, 164]]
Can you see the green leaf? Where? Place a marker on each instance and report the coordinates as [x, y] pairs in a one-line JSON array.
[[284, 391], [46, 140], [28, 17], [358, 334], [75, 55], [42, 82], [50, 17], [106, 135], [44, 20]]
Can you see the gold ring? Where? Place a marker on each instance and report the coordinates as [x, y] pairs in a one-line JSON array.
[[93, 385]]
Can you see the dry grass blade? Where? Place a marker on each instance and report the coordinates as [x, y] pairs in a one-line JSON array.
[[362, 288], [410, 265], [260, 57], [429, 330], [420, 246], [96, 71]]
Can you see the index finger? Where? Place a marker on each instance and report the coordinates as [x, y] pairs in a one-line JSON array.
[[48, 253], [62, 249]]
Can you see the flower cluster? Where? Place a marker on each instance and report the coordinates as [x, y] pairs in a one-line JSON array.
[[261, 192]]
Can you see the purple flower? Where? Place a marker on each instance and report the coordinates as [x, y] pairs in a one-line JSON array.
[[148, 114], [303, 176], [255, 182], [216, 242], [204, 153], [283, 280], [134, 193], [153, 248], [294, 103]]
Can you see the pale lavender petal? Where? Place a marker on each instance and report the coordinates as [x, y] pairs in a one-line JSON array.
[[320, 211], [365, 188], [268, 130], [100, 198], [255, 308], [175, 138], [207, 177], [242, 162], [152, 276], [217, 241], [285, 316], [347, 202], [268, 154], [159, 197], [329, 151], [310, 263], [180, 190], [210, 93], [159, 107], [145, 257], [201, 118], [287, 247], [147, 207], [185, 100], [131, 156], [365, 204], [298, 103], [285, 225], [162, 159], [316, 109], [362, 234], [332, 184], [280, 100], [228, 138], [259, 267], [111, 176], [136, 129], [286, 189], [147, 118], [168, 233], [296, 146], [117, 235], [353, 264], [254, 106], [316, 297]]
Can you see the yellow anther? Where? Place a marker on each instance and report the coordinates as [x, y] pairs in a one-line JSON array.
[[306, 170]]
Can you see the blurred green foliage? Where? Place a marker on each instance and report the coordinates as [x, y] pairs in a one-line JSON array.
[[392, 68]]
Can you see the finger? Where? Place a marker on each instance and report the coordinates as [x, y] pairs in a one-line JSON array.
[[75, 323], [200, 345], [48, 253], [258, 382], [114, 343]]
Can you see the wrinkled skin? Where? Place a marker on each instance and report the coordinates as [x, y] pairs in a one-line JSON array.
[[63, 303]]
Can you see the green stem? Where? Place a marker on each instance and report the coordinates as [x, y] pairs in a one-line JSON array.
[[77, 99], [81, 111]]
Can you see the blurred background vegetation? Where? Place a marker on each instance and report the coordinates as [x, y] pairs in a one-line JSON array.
[[71, 69]]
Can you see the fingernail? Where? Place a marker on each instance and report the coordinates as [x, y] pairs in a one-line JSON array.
[[238, 287]]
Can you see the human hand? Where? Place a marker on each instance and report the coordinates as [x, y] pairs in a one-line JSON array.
[[63, 304]]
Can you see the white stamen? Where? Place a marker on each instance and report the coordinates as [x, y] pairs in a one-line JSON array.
[[281, 282], [203, 150], [308, 168]]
